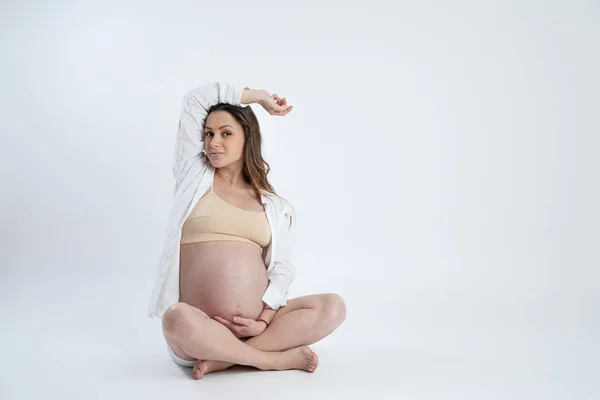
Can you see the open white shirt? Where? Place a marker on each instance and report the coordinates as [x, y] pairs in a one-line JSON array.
[[193, 177]]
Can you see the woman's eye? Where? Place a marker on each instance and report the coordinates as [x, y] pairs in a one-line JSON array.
[[212, 134]]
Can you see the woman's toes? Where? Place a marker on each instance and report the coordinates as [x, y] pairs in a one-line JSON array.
[[311, 364], [315, 361], [200, 368]]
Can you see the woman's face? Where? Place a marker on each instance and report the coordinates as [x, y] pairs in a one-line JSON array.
[[223, 139]]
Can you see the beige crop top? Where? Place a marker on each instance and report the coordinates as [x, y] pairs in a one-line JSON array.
[[215, 219]]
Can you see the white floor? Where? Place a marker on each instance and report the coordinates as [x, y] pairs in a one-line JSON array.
[[63, 344]]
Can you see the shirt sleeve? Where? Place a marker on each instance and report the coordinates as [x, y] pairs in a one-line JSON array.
[[196, 103], [284, 272]]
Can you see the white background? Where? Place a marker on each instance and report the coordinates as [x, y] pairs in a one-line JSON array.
[[441, 158]]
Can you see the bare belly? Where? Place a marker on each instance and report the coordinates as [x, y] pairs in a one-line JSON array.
[[223, 278]]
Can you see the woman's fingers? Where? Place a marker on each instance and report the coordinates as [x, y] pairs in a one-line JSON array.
[[240, 320], [233, 327], [282, 110], [281, 101], [237, 323], [225, 322], [277, 105], [222, 321]]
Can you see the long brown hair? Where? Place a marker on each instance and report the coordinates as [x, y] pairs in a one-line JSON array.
[[254, 169]]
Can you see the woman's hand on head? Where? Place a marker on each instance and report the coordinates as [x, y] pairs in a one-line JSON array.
[[243, 327], [275, 105]]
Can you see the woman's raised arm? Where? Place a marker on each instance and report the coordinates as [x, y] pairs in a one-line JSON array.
[[196, 104]]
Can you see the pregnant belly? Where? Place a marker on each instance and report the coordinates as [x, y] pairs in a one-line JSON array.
[[224, 278]]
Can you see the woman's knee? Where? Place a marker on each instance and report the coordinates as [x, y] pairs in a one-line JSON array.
[[334, 308], [181, 319]]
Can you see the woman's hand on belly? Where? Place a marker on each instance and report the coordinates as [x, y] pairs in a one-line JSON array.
[[243, 327]]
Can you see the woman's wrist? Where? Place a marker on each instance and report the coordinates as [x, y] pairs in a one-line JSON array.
[[267, 315], [262, 320], [250, 96]]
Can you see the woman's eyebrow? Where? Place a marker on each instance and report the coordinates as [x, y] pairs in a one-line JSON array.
[[208, 128]]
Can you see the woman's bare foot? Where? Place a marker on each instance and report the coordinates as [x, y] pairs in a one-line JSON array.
[[205, 366], [199, 369], [301, 357]]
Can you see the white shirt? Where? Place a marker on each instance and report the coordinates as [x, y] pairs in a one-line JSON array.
[[193, 177]]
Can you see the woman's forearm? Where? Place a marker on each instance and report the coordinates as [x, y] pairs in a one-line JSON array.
[[250, 96], [267, 314]]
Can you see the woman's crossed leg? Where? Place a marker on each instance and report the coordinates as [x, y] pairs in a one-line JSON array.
[[283, 345]]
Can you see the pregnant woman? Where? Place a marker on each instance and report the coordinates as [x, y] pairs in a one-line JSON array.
[[225, 269]]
